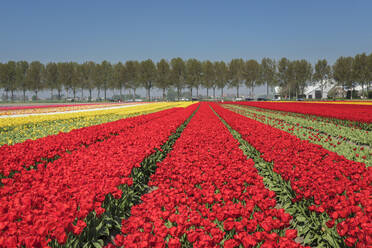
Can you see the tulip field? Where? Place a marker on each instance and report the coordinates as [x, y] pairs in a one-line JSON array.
[[187, 174]]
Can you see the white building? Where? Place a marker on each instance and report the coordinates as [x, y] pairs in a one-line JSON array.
[[314, 91]]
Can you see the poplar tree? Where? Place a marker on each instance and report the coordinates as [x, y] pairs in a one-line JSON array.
[[120, 75], [51, 77], [361, 70], [132, 68], [193, 74], [268, 73], [236, 74], [87, 77], [178, 74], [209, 75], [221, 75], [322, 74], [251, 73], [147, 75], [343, 72], [21, 81], [303, 72], [34, 77], [106, 77], [285, 74], [163, 76]]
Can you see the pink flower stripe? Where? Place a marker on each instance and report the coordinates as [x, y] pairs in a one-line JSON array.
[[353, 112], [47, 106], [207, 190], [20, 156], [39, 205], [337, 186]]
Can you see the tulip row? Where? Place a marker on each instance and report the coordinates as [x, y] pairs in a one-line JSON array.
[[363, 102], [19, 129], [38, 109], [330, 183], [351, 112], [53, 201], [353, 134], [32, 110], [308, 224], [40, 152], [317, 133], [4, 108], [207, 194]]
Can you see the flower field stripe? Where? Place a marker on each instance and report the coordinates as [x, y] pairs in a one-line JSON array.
[[330, 183], [353, 112], [50, 202], [100, 228], [355, 135], [19, 129], [333, 102], [39, 109], [41, 152], [206, 194], [307, 130], [44, 106], [70, 111], [354, 125], [310, 225]]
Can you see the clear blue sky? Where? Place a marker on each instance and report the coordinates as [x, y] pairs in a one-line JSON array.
[[67, 30]]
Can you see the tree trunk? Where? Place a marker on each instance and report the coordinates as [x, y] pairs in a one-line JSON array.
[[98, 93], [90, 94], [74, 93], [197, 92], [221, 92], [12, 95], [252, 89], [163, 94], [134, 94], [51, 94], [121, 93], [24, 95], [343, 90], [207, 93], [105, 90], [148, 94], [214, 92], [191, 92], [59, 94], [351, 95], [237, 91], [66, 93], [36, 94], [82, 94], [267, 89]]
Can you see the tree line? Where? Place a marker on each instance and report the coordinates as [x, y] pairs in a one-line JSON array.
[[192, 74]]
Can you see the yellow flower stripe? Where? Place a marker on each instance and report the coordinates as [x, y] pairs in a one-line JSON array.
[[18, 129]]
